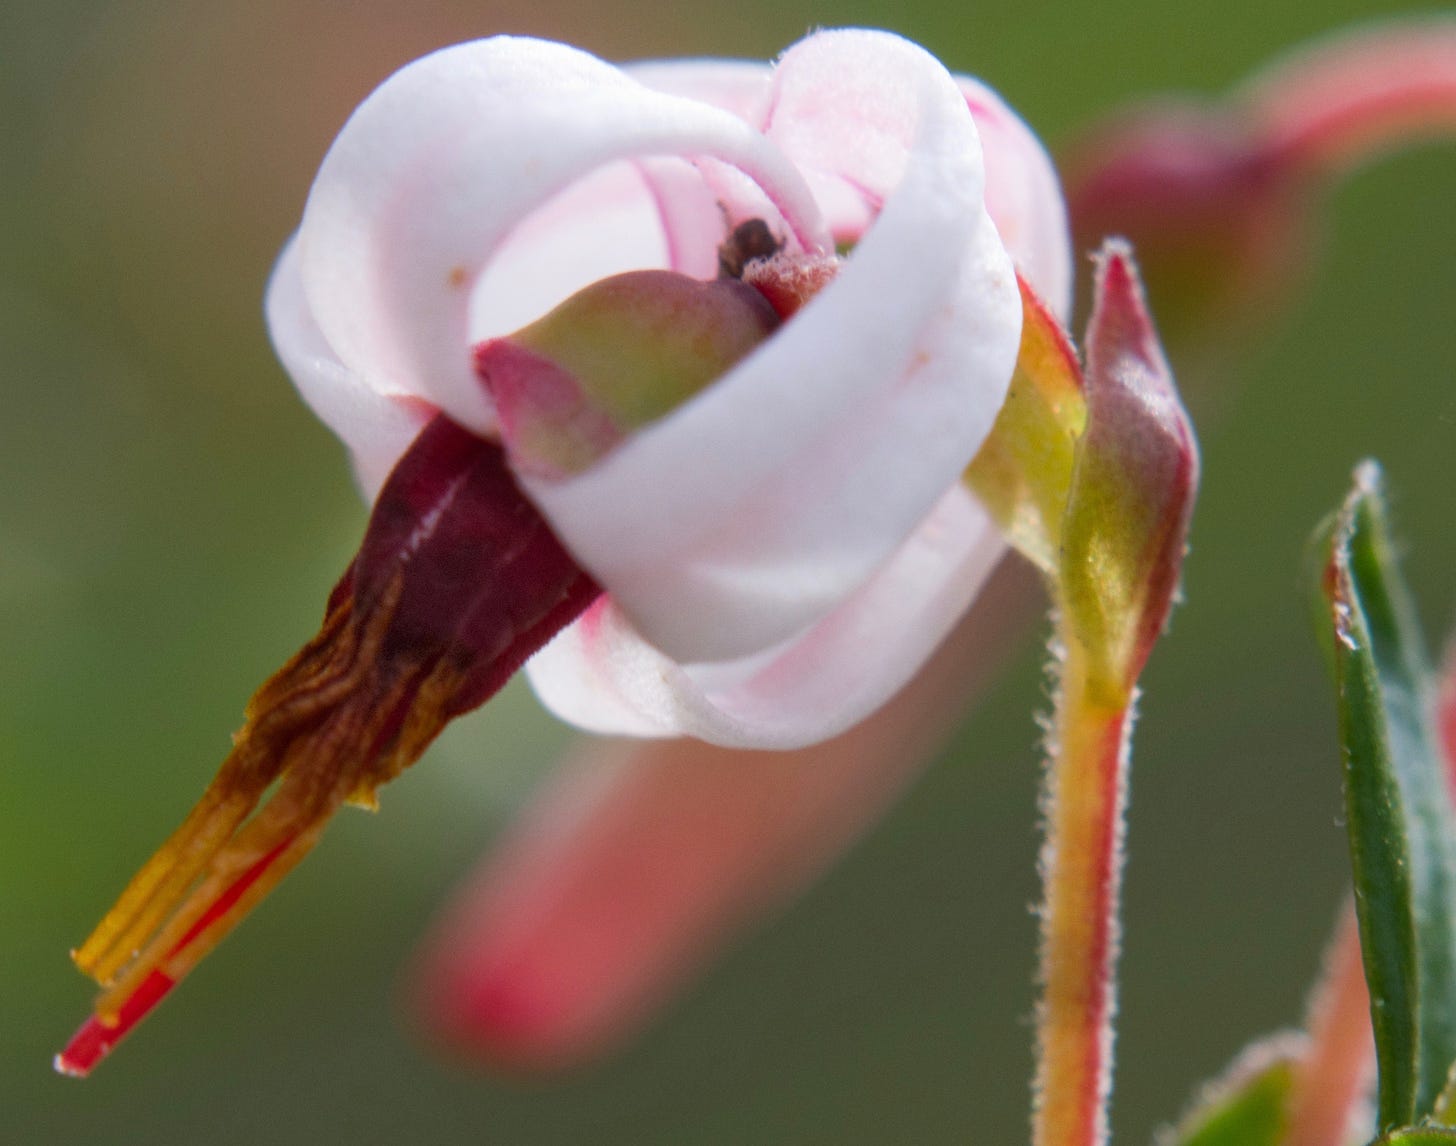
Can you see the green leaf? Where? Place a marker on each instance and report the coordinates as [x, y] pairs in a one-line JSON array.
[[1418, 1136], [1248, 1107], [1401, 826]]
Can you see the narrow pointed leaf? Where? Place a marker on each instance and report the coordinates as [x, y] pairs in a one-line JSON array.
[[1400, 822], [1250, 1107]]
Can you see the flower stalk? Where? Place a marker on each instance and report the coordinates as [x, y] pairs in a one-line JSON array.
[[1092, 473], [1085, 799]]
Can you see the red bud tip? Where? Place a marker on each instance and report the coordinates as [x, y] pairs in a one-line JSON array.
[[1135, 482]]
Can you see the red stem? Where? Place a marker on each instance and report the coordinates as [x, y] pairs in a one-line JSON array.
[[1081, 863], [1346, 101]]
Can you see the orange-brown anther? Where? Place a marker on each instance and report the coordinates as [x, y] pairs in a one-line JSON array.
[[457, 582]]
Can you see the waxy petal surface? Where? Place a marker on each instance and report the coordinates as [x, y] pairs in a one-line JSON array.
[[740, 525], [437, 167], [377, 427], [603, 677], [788, 479]]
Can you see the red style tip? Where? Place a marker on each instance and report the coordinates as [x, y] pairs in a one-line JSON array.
[[457, 582], [96, 1037]]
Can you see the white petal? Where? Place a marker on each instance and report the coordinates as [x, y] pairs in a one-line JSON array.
[[1024, 197], [1023, 193], [738, 86], [436, 169], [600, 675], [376, 427], [601, 225], [752, 511]]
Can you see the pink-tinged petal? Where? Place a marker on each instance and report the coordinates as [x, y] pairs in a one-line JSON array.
[[1023, 194], [437, 167], [689, 213], [377, 427], [742, 87], [604, 224], [753, 510], [745, 87], [637, 862], [600, 675], [1024, 197]]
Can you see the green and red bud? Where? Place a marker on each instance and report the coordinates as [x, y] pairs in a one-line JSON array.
[[613, 358], [1133, 487], [1092, 474]]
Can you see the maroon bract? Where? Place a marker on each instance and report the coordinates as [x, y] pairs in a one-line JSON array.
[[459, 579]]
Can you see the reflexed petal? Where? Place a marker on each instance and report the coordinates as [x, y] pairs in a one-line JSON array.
[[1024, 197], [1023, 194], [603, 224], [376, 427], [743, 87], [752, 511], [600, 675], [435, 169]]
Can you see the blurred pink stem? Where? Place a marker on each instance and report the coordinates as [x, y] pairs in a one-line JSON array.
[[640, 859], [1446, 712], [1336, 1069], [1345, 101]]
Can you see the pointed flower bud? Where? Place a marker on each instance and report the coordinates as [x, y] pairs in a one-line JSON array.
[[1133, 487], [1092, 472]]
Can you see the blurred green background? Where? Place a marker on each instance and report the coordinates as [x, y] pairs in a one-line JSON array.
[[171, 517]]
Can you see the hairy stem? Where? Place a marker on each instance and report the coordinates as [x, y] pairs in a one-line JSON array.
[[1081, 865]]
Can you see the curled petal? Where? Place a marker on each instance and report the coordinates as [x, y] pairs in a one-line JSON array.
[[377, 427], [434, 170], [1023, 194], [603, 677], [746, 518], [743, 87], [1024, 197], [752, 511]]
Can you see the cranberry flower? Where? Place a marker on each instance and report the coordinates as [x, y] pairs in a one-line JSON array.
[[754, 541], [760, 558]]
